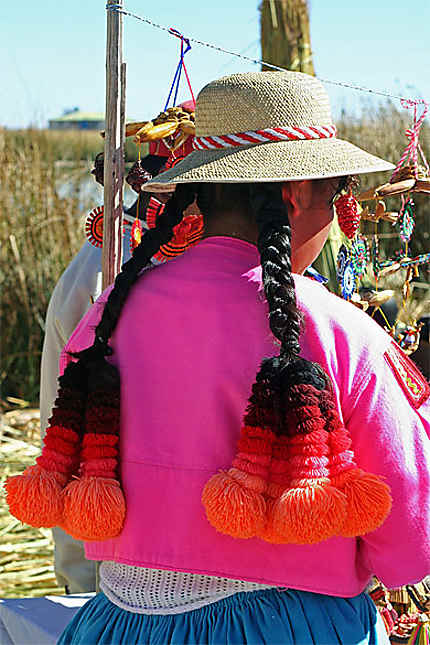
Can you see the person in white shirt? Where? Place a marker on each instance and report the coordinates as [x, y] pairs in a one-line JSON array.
[[76, 290]]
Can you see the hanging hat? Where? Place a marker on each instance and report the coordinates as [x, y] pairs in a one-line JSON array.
[[266, 126]]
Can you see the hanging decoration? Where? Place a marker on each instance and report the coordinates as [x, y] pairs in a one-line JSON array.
[[185, 234], [421, 633], [359, 255], [348, 280], [342, 259], [153, 210], [136, 234], [137, 176], [94, 227], [408, 177], [175, 125], [407, 335], [407, 220], [348, 214]]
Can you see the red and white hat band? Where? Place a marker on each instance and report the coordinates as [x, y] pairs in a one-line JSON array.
[[264, 136]]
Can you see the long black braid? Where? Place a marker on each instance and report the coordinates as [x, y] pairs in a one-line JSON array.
[[274, 244], [285, 319]]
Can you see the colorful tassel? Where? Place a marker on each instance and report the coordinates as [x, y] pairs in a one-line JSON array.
[[94, 504], [278, 481], [35, 497], [368, 497], [234, 500], [310, 509], [421, 633]]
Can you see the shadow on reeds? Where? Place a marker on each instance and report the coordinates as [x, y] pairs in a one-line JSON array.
[[40, 231]]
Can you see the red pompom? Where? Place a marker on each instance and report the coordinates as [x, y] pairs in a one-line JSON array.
[[347, 214]]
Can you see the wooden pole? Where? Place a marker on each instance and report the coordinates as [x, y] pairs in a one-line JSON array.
[[114, 147]]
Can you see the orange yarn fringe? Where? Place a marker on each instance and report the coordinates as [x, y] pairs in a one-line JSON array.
[[35, 497], [94, 508]]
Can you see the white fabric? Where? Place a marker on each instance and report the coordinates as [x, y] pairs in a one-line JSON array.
[[37, 621], [157, 591]]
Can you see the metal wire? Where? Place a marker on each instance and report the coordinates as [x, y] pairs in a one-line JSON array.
[[256, 61]]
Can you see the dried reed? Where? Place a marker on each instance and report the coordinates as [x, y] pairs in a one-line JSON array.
[[26, 554]]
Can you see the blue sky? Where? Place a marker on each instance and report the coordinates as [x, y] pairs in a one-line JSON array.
[[53, 52]]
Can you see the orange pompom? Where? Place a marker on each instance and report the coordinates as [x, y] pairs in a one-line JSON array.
[[234, 503], [268, 534], [35, 496], [368, 501], [94, 508], [309, 513]]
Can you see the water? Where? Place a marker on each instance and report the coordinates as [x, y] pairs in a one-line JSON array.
[[80, 184]]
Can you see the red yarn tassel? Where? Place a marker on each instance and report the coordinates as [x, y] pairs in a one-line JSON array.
[[35, 497], [94, 504], [368, 497], [234, 500], [310, 509], [278, 481]]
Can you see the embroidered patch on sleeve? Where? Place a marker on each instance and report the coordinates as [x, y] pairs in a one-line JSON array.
[[409, 377]]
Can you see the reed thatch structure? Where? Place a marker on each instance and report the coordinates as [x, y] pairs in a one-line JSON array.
[[285, 35]]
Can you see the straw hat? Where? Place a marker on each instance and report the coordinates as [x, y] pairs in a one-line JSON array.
[[286, 114]]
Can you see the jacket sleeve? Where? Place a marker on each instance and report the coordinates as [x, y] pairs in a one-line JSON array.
[[389, 422]]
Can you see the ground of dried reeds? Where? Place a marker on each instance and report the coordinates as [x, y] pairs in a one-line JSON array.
[[26, 554]]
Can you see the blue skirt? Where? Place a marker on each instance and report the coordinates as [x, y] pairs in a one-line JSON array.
[[258, 617]]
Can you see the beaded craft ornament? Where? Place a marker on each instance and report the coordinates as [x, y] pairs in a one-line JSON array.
[[94, 227], [408, 177]]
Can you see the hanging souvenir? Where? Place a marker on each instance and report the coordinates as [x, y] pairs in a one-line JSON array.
[[348, 281], [347, 209], [185, 234], [94, 227], [407, 220], [137, 176], [136, 234], [342, 259], [376, 265], [175, 125], [421, 633], [377, 298], [153, 211], [360, 255], [409, 175]]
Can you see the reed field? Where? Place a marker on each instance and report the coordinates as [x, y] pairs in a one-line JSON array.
[[41, 228]]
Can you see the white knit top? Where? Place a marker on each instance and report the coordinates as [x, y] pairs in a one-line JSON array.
[[156, 591]]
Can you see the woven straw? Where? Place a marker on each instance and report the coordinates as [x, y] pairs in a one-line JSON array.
[[259, 100]]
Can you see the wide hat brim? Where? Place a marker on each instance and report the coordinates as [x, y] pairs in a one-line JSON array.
[[270, 162]]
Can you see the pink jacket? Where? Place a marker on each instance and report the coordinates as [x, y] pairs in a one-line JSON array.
[[188, 344]]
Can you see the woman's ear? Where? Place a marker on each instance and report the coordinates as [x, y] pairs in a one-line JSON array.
[[289, 196]]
